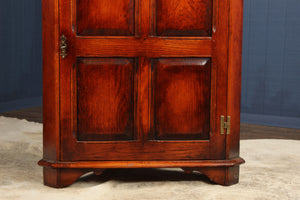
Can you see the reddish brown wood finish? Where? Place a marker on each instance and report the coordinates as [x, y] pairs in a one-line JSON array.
[[51, 128], [152, 47], [234, 74], [181, 98], [189, 164], [221, 175], [182, 18], [102, 17], [143, 50], [59, 178], [104, 99], [144, 84], [62, 174]]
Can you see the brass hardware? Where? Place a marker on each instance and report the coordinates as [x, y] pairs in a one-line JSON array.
[[63, 46], [222, 124], [225, 125]]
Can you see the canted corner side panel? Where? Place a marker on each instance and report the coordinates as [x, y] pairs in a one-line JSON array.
[[181, 98], [182, 17], [103, 99], [105, 17]]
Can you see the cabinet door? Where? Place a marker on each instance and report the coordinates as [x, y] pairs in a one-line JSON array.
[[143, 79]]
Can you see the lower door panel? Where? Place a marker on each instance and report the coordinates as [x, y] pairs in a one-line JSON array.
[[103, 100], [105, 119], [180, 99]]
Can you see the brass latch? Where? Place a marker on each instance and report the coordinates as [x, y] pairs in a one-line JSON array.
[[63, 46], [225, 125]]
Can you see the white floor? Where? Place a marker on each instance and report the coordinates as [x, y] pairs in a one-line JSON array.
[[272, 171]]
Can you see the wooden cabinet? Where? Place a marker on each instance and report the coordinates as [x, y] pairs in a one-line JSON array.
[[141, 84]]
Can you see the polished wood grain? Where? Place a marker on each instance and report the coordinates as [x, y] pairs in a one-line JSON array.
[[152, 47], [125, 92], [181, 98], [59, 178], [137, 150], [221, 175], [182, 18], [145, 164], [234, 76], [219, 75], [104, 100], [105, 17], [144, 48], [59, 175], [51, 69]]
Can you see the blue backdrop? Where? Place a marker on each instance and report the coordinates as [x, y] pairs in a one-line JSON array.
[[271, 59], [20, 54], [271, 62]]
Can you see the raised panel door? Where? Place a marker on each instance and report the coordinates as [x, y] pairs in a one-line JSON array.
[[143, 80]]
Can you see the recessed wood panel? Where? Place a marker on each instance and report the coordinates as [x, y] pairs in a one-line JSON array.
[[181, 98], [105, 97], [183, 17], [105, 17]]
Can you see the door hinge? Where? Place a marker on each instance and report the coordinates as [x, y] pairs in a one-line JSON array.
[[225, 125]]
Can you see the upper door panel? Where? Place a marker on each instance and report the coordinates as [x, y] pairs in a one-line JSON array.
[[182, 17], [167, 17], [105, 17]]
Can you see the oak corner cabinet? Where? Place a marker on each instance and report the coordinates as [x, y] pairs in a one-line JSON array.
[[141, 84]]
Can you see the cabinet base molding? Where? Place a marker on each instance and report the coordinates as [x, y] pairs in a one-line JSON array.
[[63, 174]]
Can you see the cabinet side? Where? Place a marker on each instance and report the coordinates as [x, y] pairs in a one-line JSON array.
[[234, 77], [51, 126]]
